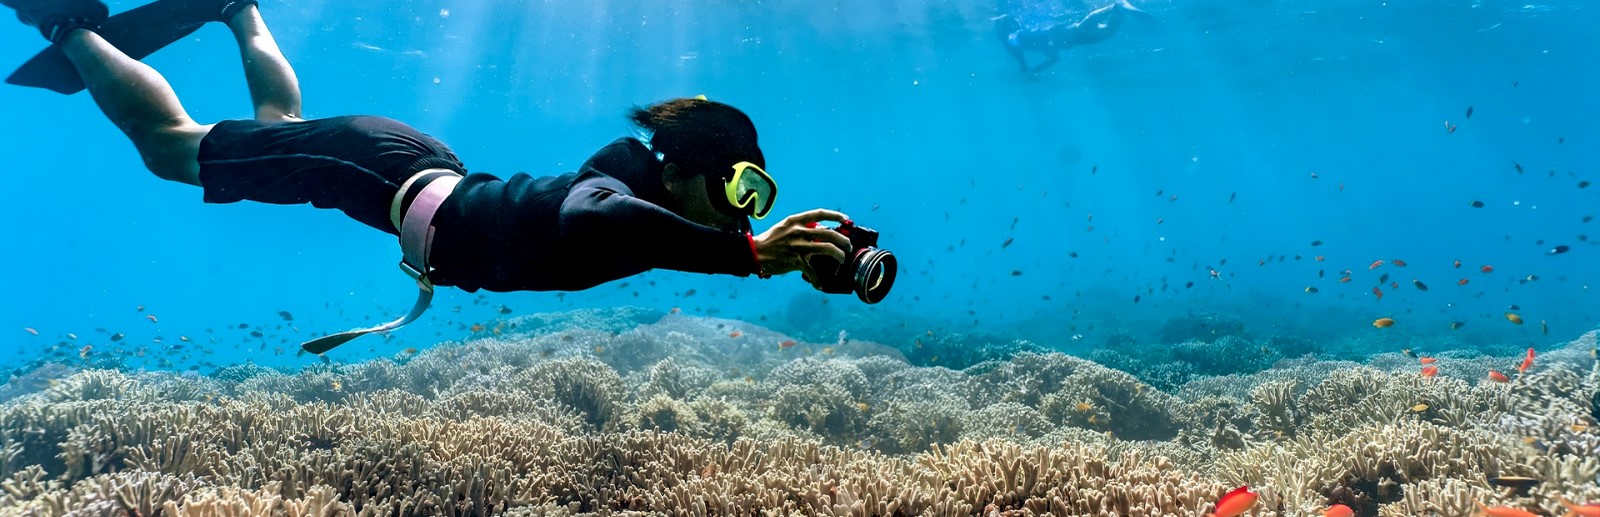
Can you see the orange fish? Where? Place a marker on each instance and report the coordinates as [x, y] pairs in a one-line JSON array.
[[786, 344], [1513, 318], [1374, 265], [1461, 282], [1573, 510], [476, 327], [1346, 279], [1430, 371], [735, 334], [1378, 293], [1398, 263], [1320, 258], [1498, 377], [30, 330], [1383, 323], [1338, 510], [1428, 360], [1486, 268], [1502, 511], [1526, 362], [1235, 503]]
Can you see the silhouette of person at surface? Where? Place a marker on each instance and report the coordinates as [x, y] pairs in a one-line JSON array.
[[1099, 25]]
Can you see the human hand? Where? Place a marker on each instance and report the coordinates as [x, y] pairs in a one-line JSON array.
[[789, 245]]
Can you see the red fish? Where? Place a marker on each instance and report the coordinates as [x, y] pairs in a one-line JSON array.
[[1430, 371], [786, 344], [735, 334], [1398, 263], [1394, 285], [1498, 377], [1345, 279], [1486, 268], [1502, 511], [1526, 362], [1374, 265], [1573, 510], [1428, 360], [1461, 282], [1235, 503], [1338, 510], [1378, 293]]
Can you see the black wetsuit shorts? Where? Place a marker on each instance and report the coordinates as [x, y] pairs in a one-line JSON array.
[[355, 164]]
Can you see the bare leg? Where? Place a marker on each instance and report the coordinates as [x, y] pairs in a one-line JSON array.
[[273, 86], [140, 102]]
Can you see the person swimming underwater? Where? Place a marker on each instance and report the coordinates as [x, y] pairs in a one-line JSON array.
[[1099, 25], [679, 198]]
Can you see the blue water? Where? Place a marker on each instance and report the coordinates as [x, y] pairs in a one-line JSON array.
[[909, 117]]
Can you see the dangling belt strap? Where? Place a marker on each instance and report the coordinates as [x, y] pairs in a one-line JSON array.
[[416, 241]]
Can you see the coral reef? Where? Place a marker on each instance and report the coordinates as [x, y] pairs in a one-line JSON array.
[[700, 416]]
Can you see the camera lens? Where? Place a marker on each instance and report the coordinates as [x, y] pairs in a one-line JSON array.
[[875, 270]]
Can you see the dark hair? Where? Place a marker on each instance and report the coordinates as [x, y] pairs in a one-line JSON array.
[[704, 137]]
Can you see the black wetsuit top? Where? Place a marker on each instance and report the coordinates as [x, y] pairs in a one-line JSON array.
[[573, 231]]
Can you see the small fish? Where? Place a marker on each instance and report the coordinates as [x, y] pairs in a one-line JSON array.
[[1311, 290], [83, 353], [1527, 362], [1338, 510], [1419, 408], [786, 344], [1486, 268], [30, 330], [1518, 166], [827, 350], [72, 336], [1007, 243], [476, 327], [862, 407], [285, 315], [1448, 127], [1377, 293], [1498, 377], [1544, 328], [184, 339], [1462, 281], [1319, 258], [117, 337], [675, 310], [1469, 111], [1583, 184], [1458, 264], [688, 293], [505, 310], [1016, 272], [1502, 511], [409, 351], [1408, 353], [599, 349], [1427, 360], [1384, 323], [735, 334], [1579, 428], [1430, 371], [1316, 243], [139, 308], [336, 385], [1398, 263], [1559, 249], [1235, 503], [1383, 278], [1573, 510], [1514, 318], [1419, 285], [1455, 325], [1084, 406], [1345, 279], [1375, 265]]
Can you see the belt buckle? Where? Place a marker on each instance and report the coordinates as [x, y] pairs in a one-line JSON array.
[[419, 276]]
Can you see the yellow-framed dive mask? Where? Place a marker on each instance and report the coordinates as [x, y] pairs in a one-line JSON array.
[[751, 190]]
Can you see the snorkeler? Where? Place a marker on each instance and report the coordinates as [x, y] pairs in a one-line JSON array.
[[1099, 25], [681, 200]]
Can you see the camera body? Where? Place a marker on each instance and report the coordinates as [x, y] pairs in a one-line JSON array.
[[868, 271]]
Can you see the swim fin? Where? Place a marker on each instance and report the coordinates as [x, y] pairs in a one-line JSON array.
[[138, 32]]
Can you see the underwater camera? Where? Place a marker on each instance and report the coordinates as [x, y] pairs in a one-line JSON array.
[[869, 271]]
